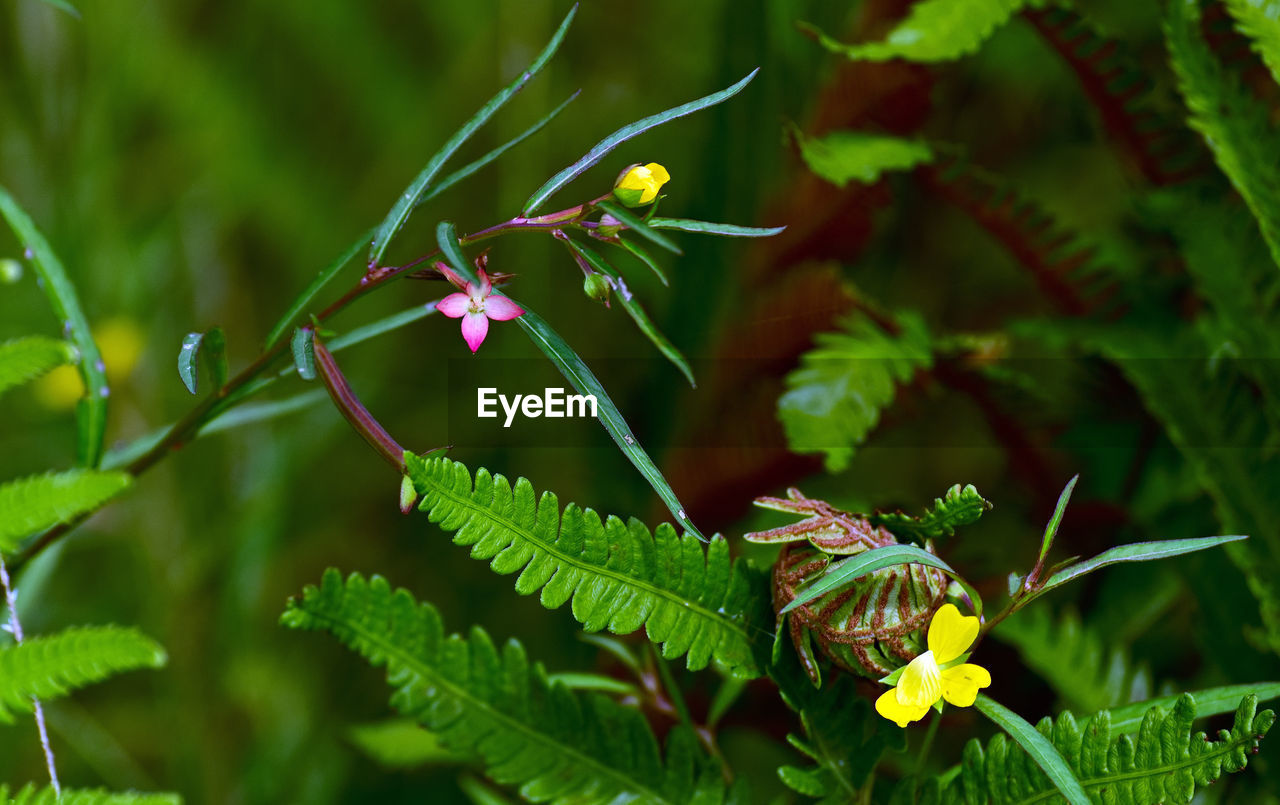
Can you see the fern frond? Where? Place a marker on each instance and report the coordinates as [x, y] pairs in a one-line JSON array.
[[24, 359], [31, 795], [1165, 764], [834, 399], [844, 156], [1086, 673], [960, 506], [1259, 20], [554, 744], [1115, 84], [619, 575], [934, 31], [53, 665], [1065, 267], [1233, 123], [32, 504]]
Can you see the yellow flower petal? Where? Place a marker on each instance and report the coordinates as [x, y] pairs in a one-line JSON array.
[[951, 633], [960, 684], [919, 685], [901, 714], [658, 174]]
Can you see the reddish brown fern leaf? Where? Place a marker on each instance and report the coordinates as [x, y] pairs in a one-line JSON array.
[[1063, 267], [1161, 149]]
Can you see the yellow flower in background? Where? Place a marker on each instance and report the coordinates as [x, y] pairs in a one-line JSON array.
[[121, 343], [939, 673], [639, 184]]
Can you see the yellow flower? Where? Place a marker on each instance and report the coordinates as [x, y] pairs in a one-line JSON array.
[[639, 184], [939, 673], [121, 343]]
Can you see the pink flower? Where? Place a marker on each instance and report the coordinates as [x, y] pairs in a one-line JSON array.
[[475, 306]]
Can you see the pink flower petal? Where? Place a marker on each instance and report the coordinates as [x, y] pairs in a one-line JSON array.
[[475, 326], [451, 275], [454, 305], [500, 308], [486, 287]]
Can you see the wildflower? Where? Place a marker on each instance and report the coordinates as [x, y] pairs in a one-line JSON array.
[[939, 673], [475, 305], [121, 343], [639, 184]]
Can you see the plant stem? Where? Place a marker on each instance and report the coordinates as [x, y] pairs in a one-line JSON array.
[[923, 757], [185, 428], [15, 626]]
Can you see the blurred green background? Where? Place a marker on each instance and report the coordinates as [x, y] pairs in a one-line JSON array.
[[195, 164]]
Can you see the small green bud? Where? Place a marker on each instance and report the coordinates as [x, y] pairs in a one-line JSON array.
[[408, 495], [10, 271], [597, 286]]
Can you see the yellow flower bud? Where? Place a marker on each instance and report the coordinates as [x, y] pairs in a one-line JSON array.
[[639, 184]]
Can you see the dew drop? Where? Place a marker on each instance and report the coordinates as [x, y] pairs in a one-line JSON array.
[[27, 253], [100, 366], [66, 327], [104, 392]]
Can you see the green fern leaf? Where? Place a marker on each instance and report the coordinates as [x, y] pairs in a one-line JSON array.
[[31, 795], [834, 399], [960, 506], [1260, 21], [934, 31], [844, 156], [32, 504], [1233, 123], [1087, 674], [618, 575], [52, 665], [24, 359], [554, 744], [1165, 763]]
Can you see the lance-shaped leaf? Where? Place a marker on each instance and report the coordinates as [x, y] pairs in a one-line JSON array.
[[580, 376], [636, 224], [629, 303], [709, 228], [1135, 552], [846, 571], [601, 149], [30, 794], [304, 356], [644, 257], [32, 504], [409, 198], [91, 412], [24, 359], [1037, 746], [322, 279], [212, 345], [1127, 719]]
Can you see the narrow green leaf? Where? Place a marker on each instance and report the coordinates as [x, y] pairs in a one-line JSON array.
[[215, 356], [384, 325], [63, 5], [472, 167], [304, 356], [637, 225], [601, 149], [934, 31], [708, 228], [844, 156], [845, 571], [633, 308], [24, 359], [32, 504], [644, 257], [1038, 746], [52, 665], [188, 360], [1209, 702], [91, 413], [409, 199], [1135, 552], [322, 279], [1051, 530], [31, 794], [574, 680], [579, 375]]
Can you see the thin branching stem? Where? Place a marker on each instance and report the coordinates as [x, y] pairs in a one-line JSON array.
[[15, 626]]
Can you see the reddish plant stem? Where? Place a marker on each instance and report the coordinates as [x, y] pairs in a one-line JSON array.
[[184, 429], [349, 405]]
